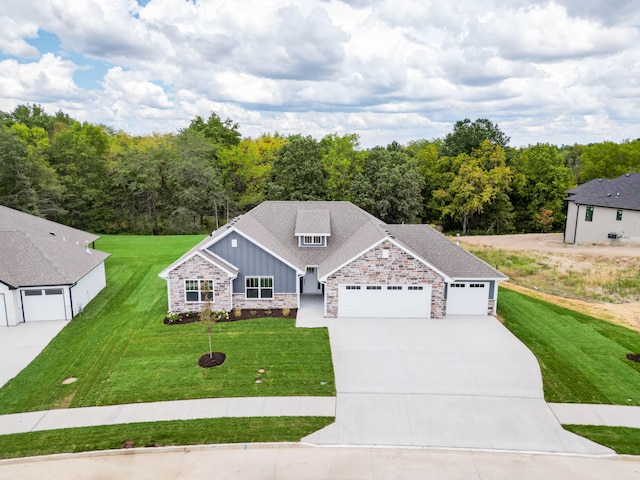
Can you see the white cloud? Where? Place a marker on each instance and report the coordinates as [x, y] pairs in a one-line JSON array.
[[386, 69], [48, 80], [12, 41]]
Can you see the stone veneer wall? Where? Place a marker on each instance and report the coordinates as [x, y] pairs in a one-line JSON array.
[[492, 305], [196, 268], [280, 300], [400, 268]]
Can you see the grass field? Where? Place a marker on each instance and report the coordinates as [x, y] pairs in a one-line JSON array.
[[189, 432], [582, 358], [121, 352]]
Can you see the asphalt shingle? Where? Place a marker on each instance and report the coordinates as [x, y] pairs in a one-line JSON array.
[[35, 251], [622, 192]]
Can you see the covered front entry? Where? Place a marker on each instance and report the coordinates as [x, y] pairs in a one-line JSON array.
[[42, 304], [467, 298], [384, 301], [310, 283]]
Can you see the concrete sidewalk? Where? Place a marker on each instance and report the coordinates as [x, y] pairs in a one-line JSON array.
[[295, 461], [594, 414], [163, 411]]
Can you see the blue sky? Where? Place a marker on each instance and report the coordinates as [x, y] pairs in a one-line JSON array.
[[565, 71]]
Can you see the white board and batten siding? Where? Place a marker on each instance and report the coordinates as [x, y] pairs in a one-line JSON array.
[[87, 288], [378, 301], [468, 298]]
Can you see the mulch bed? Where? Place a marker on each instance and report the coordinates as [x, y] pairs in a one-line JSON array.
[[245, 314], [212, 360], [634, 357]]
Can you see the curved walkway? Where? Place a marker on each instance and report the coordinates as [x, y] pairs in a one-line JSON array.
[[294, 461]]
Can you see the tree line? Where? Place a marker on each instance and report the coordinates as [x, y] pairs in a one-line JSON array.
[[95, 178]]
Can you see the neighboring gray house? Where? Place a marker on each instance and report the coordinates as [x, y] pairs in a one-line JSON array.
[[47, 270], [604, 211], [273, 254]]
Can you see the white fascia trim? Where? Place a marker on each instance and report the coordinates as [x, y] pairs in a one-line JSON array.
[[242, 234], [165, 273], [313, 234], [229, 272], [442, 274], [478, 279]]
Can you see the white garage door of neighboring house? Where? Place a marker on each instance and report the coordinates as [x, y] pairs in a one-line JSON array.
[[384, 301], [3, 311], [43, 304], [467, 298]]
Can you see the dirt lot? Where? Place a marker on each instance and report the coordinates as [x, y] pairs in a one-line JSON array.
[[595, 265], [551, 243]]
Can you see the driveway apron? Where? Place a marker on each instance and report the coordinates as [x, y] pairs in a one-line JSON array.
[[461, 382], [20, 344]]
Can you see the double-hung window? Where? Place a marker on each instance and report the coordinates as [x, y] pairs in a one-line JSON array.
[[198, 290], [588, 216], [259, 287]]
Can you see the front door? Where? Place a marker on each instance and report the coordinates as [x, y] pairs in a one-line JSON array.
[[310, 282]]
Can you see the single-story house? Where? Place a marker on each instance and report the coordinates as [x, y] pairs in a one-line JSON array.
[[604, 211], [48, 271], [280, 250]]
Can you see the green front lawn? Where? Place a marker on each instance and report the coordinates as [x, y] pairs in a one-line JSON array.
[[621, 439], [187, 432], [121, 352], [583, 359]]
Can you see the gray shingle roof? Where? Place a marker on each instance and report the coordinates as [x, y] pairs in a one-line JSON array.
[[35, 251], [313, 222], [273, 224], [442, 253], [622, 192]]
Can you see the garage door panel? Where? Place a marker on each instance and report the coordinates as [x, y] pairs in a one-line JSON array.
[[43, 304], [384, 301], [467, 298]]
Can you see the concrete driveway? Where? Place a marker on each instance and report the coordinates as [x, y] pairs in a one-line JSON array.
[[462, 382], [19, 345]]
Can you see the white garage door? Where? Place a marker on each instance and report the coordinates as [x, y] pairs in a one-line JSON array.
[[467, 298], [384, 301], [43, 304], [3, 311]]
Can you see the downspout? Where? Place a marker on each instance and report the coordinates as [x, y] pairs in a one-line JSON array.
[[70, 302], [575, 230], [24, 320]]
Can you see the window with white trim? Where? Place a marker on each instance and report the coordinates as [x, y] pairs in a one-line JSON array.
[[258, 287], [312, 240], [198, 291]]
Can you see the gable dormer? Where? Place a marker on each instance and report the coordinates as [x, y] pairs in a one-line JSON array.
[[313, 228]]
